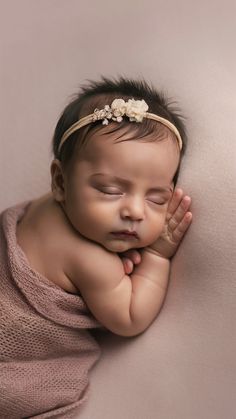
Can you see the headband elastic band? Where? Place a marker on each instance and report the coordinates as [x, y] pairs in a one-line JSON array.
[[135, 110]]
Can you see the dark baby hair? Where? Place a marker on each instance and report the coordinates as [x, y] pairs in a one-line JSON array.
[[97, 94]]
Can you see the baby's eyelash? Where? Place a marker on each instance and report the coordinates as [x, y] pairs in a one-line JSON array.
[[156, 203], [106, 191], [120, 193], [111, 193], [110, 190]]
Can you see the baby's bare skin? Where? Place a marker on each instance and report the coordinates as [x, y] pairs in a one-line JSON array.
[[45, 217], [46, 238], [177, 223], [68, 235], [53, 258]]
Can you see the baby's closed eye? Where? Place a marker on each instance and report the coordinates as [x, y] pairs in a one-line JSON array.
[[156, 199], [110, 190]]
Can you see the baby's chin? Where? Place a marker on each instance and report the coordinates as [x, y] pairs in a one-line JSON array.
[[120, 246]]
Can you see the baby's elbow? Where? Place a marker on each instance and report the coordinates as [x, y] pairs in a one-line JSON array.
[[130, 330], [130, 334]]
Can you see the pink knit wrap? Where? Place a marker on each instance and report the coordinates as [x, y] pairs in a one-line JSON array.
[[46, 350]]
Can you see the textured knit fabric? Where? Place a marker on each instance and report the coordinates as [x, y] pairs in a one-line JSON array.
[[46, 350]]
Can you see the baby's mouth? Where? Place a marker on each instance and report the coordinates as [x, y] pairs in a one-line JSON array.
[[126, 234]]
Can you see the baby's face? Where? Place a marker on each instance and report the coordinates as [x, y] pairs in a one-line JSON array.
[[117, 193]]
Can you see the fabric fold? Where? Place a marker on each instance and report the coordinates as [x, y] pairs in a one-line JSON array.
[[46, 351]]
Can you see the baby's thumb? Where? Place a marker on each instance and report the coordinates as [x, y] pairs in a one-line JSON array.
[[128, 265]]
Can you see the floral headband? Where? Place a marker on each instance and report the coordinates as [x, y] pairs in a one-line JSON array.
[[135, 110]]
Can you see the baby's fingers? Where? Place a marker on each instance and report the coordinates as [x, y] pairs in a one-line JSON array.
[[133, 255], [179, 213], [130, 258], [182, 227], [174, 202], [128, 265]]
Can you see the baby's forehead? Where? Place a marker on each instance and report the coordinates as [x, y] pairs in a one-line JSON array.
[[115, 133], [112, 153]]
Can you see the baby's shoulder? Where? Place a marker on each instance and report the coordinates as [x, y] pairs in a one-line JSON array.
[[47, 240]]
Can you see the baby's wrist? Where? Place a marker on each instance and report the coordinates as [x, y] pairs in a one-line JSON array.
[[155, 252]]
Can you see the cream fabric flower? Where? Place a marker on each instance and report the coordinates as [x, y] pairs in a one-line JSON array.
[[118, 107], [136, 109]]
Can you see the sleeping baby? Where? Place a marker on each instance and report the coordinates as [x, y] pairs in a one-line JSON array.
[[95, 251]]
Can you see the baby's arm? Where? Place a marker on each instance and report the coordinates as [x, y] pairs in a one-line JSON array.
[[150, 278], [124, 304]]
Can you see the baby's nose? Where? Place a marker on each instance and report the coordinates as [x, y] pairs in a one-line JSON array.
[[133, 208]]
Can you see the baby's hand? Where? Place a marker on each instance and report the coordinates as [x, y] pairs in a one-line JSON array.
[[129, 259], [178, 220]]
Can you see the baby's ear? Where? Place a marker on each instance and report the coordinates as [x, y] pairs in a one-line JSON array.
[[57, 180]]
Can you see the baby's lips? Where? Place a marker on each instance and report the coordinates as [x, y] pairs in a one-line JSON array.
[[126, 233]]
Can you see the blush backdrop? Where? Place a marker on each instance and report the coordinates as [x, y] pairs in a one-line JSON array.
[[184, 365]]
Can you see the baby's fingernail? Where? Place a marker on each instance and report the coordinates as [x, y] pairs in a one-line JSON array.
[[189, 216], [130, 264], [137, 258]]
